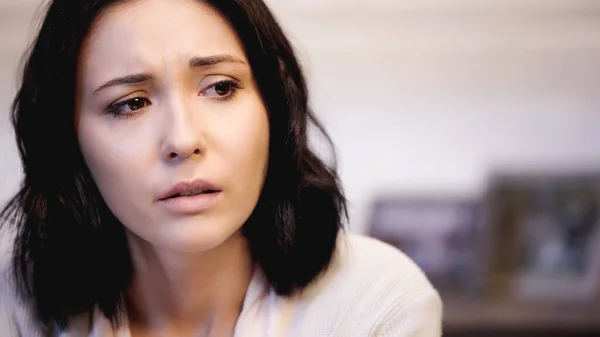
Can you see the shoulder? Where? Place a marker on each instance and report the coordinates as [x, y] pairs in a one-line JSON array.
[[370, 261], [373, 289], [10, 306], [408, 304], [357, 253], [17, 316]]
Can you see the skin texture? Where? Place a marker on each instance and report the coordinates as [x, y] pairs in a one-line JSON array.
[[180, 126]]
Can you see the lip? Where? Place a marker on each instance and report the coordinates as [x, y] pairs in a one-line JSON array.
[[190, 204]]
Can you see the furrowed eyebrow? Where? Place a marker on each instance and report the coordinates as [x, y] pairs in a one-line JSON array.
[[198, 62], [195, 62], [125, 80]]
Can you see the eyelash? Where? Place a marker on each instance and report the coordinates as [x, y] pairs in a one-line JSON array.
[[113, 109], [235, 86]]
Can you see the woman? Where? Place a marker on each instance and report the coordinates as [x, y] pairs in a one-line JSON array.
[[170, 191]]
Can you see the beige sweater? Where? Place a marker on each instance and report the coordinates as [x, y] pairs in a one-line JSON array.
[[370, 289]]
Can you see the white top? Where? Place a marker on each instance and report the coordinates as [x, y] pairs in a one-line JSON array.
[[370, 290]]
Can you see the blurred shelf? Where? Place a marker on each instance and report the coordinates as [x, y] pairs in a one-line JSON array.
[[490, 315]]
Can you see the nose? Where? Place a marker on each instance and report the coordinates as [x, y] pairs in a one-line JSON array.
[[182, 132]]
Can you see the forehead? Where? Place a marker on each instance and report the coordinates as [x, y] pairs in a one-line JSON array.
[[150, 33]]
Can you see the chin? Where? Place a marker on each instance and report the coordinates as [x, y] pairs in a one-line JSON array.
[[195, 237]]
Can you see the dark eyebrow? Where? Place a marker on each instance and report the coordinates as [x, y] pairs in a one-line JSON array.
[[129, 79], [197, 62]]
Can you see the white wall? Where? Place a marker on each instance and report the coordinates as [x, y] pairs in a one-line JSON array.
[[433, 97], [427, 95], [15, 27]]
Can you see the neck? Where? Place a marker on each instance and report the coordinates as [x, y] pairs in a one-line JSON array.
[[188, 293]]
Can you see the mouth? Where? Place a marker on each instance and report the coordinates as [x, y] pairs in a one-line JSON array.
[[191, 193], [190, 189], [191, 197]]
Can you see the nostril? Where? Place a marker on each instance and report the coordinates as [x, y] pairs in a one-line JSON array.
[[183, 153]]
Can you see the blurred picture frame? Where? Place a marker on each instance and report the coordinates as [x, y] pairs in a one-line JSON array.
[[440, 234], [544, 236]]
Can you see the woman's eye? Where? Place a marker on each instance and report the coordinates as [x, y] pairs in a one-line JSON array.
[[222, 90], [128, 107], [136, 103]]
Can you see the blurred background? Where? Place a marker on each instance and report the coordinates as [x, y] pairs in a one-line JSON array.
[[467, 134]]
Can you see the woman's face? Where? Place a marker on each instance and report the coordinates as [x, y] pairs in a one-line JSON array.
[[171, 123]]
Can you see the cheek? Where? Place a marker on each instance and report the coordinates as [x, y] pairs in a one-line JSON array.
[[250, 146], [243, 147], [114, 160]]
